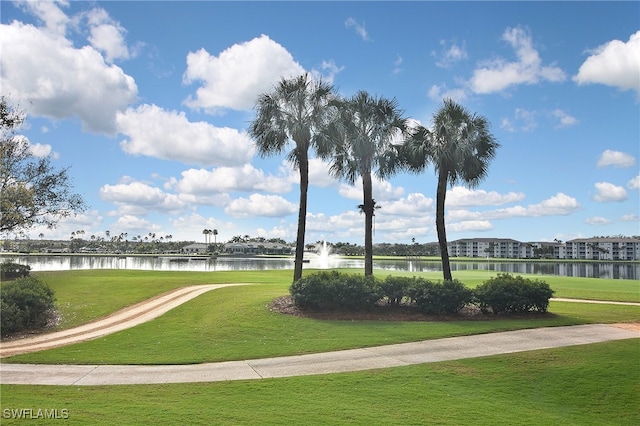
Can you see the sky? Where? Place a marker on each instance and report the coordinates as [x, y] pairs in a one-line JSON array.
[[148, 103]]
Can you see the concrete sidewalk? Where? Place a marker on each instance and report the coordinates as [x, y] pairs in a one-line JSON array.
[[452, 348]]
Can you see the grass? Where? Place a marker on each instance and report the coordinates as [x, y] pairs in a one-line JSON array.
[[593, 384], [234, 323]]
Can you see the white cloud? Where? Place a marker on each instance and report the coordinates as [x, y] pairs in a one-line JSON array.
[[261, 205], [236, 77], [382, 190], [522, 121], [133, 225], [558, 205], [498, 74], [415, 204], [565, 119], [328, 71], [615, 63], [228, 179], [439, 92], [107, 35], [460, 196], [616, 159], [597, 220], [140, 198], [606, 191], [450, 54], [630, 218], [470, 225], [634, 183], [57, 80], [169, 135], [358, 27]]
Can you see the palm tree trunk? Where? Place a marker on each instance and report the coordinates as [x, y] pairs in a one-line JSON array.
[[368, 207], [302, 215], [442, 234]]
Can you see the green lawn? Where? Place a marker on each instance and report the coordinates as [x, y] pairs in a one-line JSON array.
[[234, 323], [581, 385], [594, 384]]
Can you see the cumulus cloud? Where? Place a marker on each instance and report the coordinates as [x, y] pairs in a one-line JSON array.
[[470, 225], [634, 183], [60, 81], [499, 74], [413, 205], [597, 221], [606, 192], [107, 35], [615, 63], [630, 218], [169, 135], [236, 77], [140, 198], [565, 120], [382, 190], [358, 27], [439, 92], [229, 179], [261, 205], [558, 205], [449, 54], [522, 121], [460, 196], [615, 159]]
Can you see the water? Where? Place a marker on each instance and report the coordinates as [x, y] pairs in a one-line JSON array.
[[324, 260]]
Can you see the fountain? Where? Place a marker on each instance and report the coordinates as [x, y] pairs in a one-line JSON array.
[[324, 255]]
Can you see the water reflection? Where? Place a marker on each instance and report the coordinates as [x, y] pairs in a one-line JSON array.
[[613, 270]]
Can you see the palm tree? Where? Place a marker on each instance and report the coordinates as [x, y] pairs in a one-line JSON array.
[[358, 142], [294, 111], [460, 148]]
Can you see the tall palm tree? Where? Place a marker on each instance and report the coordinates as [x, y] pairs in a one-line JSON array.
[[460, 147], [294, 111], [359, 143]]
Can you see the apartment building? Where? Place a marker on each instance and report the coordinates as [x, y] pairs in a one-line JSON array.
[[581, 248], [603, 248]]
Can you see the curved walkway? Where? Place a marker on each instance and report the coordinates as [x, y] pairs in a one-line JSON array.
[[120, 320], [323, 363]]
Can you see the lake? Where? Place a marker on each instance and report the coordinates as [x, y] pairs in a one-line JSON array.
[[608, 270]]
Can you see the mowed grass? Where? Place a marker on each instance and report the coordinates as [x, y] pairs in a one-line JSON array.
[[595, 384], [235, 323]]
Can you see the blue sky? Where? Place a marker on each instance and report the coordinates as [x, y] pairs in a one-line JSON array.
[[148, 104]]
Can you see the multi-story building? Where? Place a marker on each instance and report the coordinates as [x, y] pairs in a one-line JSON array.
[[604, 248], [581, 248]]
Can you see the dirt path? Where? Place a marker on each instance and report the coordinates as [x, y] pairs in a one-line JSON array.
[[148, 310], [120, 320]]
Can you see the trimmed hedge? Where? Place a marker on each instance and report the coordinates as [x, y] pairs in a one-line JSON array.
[[26, 303], [333, 290], [328, 290], [446, 297], [506, 293], [11, 270]]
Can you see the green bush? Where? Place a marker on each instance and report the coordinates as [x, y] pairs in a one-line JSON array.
[[398, 290], [333, 290], [506, 293], [447, 297], [26, 303], [10, 270]]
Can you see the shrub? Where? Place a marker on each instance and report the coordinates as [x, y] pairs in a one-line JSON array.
[[333, 290], [506, 293], [10, 270], [447, 297], [26, 303], [396, 290]]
